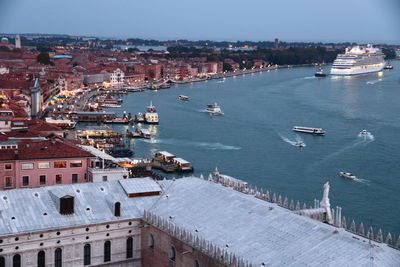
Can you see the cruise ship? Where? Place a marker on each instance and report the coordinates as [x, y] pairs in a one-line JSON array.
[[359, 60]]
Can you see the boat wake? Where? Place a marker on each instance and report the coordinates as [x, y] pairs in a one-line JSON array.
[[221, 81], [204, 145], [309, 77], [293, 142], [368, 137], [363, 181], [374, 81]]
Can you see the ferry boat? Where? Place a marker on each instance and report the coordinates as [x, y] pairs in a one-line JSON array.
[[214, 109], [151, 115], [348, 175], [359, 60], [320, 72], [63, 123], [183, 98], [310, 130]]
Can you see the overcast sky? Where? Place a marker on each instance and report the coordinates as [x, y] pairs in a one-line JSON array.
[[288, 20]]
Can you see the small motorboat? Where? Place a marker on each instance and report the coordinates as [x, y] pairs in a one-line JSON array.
[[388, 66], [300, 144], [320, 72], [183, 98], [214, 109], [364, 132], [348, 175]]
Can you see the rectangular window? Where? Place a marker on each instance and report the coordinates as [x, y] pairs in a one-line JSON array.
[[75, 163], [74, 178], [8, 182], [44, 165], [27, 166], [58, 178], [42, 179], [25, 180], [60, 164], [105, 178], [8, 166]]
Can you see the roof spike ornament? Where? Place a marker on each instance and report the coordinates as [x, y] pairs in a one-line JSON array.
[[325, 203], [379, 236], [388, 239], [353, 226], [361, 229]]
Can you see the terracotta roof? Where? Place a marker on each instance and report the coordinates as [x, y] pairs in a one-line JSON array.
[[43, 149], [42, 126]]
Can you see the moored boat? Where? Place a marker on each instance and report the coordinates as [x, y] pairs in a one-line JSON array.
[[61, 122], [214, 109], [348, 175], [139, 117], [310, 130]]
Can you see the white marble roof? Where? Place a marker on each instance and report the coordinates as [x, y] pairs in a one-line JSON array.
[[258, 231], [141, 185]]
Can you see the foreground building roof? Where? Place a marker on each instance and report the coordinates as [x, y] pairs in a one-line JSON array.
[[256, 230]]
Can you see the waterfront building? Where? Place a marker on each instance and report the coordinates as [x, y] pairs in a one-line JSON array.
[[117, 77], [34, 163], [185, 222]]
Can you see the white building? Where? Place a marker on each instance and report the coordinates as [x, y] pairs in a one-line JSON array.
[[117, 77], [106, 223]]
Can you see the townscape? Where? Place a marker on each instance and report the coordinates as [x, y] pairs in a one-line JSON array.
[[75, 192]]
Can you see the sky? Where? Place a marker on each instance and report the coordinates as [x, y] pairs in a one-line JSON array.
[[289, 20]]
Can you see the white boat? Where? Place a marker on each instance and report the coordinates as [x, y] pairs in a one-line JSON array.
[[214, 109], [151, 115], [388, 66], [348, 175], [63, 123], [359, 60], [320, 72], [300, 144], [310, 130], [110, 105], [183, 98], [364, 132]]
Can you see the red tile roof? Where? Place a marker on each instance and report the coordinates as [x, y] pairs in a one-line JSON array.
[[43, 149]]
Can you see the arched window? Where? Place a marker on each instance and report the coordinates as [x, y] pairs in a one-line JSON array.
[[129, 248], [172, 253], [41, 259], [2, 262], [17, 260], [196, 263], [86, 254], [107, 251], [117, 209], [58, 257], [151, 241]]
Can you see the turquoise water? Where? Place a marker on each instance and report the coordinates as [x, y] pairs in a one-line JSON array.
[[253, 141]]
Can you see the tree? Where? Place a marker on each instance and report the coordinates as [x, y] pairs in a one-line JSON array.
[[227, 67], [44, 58]]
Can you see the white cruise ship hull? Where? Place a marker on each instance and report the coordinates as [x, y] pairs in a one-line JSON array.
[[357, 70]]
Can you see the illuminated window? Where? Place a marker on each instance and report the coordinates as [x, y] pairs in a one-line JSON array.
[[44, 165], [58, 178], [25, 180], [27, 166], [60, 164], [8, 166], [75, 163]]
